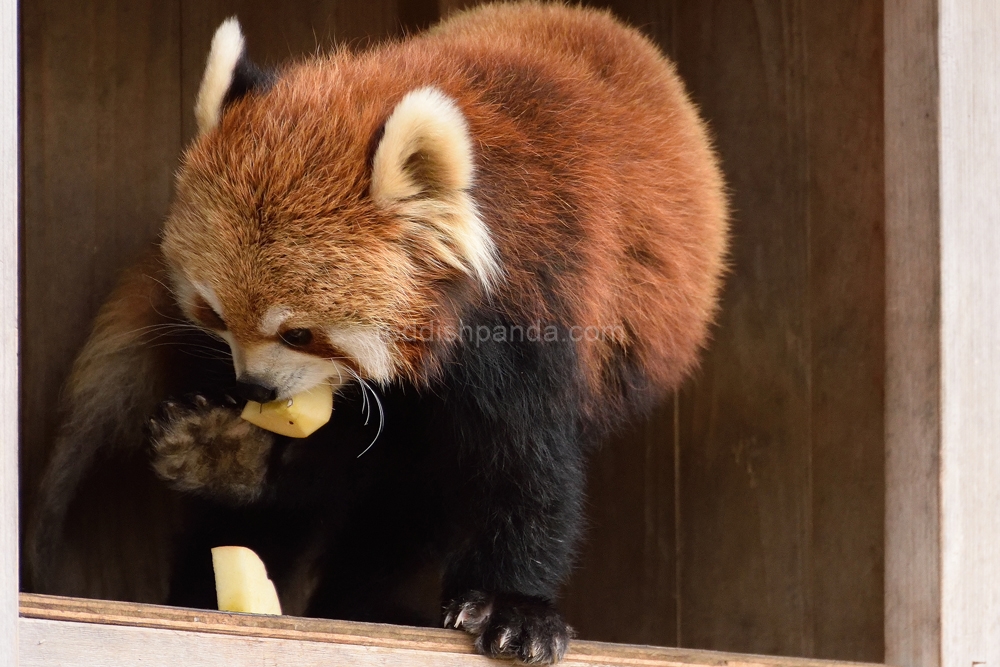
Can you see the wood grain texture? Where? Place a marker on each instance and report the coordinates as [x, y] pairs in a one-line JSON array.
[[913, 340], [101, 130], [746, 468], [624, 587], [969, 70], [9, 261], [943, 399], [846, 220], [55, 631], [777, 543]]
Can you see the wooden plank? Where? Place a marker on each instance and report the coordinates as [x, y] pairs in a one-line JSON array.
[[745, 467], [943, 396], [913, 387], [57, 631], [9, 261], [101, 132], [58, 643], [80, 610], [846, 310], [969, 67], [780, 436], [624, 588]]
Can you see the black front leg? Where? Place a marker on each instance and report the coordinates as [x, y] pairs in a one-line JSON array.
[[515, 414]]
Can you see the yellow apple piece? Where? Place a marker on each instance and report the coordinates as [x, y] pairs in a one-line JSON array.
[[241, 582], [296, 417]]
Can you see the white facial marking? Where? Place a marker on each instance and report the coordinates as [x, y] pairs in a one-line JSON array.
[[366, 346], [273, 319], [239, 365], [208, 294], [184, 291]]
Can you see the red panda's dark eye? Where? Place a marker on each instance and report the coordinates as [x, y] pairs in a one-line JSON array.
[[297, 337]]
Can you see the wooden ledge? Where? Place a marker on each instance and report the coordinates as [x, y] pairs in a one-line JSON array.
[[60, 630]]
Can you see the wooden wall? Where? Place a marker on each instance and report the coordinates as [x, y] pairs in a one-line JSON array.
[[9, 298], [747, 513]]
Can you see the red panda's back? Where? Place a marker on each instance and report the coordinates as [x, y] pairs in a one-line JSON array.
[[638, 165]]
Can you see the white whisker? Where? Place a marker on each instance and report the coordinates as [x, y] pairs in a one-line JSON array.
[[365, 389], [365, 405]]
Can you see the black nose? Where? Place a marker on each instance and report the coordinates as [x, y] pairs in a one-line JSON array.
[[250, 391]]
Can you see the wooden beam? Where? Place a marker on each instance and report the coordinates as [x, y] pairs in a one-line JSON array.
[[9, 169], [57, 631], [913, 391], [942, 105], [969, 65]]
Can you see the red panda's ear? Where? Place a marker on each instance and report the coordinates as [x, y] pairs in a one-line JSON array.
[[229, 75], [422, 172]]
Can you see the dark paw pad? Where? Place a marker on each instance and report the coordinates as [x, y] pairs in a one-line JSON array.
[[523, 628]]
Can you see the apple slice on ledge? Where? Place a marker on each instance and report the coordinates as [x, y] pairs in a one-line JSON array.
[[241, 582]]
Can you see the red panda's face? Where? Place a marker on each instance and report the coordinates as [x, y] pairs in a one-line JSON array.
[[313, 225]]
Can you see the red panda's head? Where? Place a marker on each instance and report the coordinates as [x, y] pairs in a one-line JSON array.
[[318, 220]]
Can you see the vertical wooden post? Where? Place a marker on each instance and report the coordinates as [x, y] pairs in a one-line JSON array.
[[969, 47], [942, 106], [8, 331], [913, 361]]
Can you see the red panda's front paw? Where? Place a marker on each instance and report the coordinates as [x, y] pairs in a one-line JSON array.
[[209, 449], [520, 627]]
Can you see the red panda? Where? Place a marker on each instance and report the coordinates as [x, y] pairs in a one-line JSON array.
[[507, 232]]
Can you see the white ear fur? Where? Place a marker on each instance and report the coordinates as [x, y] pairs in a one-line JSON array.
[[423, 169], [227, 47]]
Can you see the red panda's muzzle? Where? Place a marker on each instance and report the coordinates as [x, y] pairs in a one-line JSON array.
[[249, 389]]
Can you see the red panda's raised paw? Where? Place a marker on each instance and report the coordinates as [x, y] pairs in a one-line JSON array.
[[525, 629], [208, 449]]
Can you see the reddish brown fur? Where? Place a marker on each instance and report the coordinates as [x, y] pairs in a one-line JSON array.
[[588, 152]]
